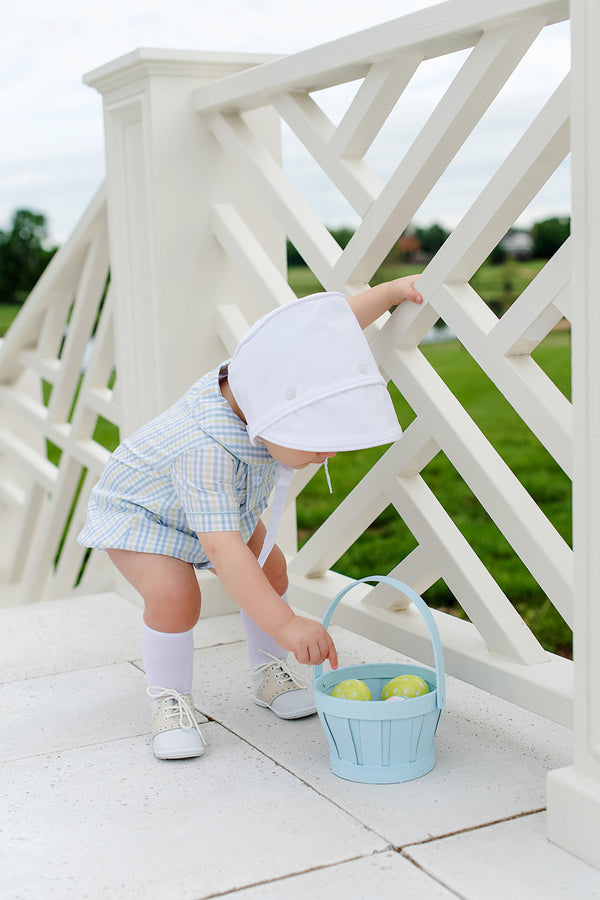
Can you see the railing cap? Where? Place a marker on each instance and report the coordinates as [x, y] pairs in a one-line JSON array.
[[146, 61]]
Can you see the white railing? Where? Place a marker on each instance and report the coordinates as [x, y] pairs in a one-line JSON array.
[[199, 206]]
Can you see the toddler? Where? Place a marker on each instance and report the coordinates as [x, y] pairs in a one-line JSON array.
[[187, 490]]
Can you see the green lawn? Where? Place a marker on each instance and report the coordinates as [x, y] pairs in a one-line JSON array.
[[8, 312], [388, 540]]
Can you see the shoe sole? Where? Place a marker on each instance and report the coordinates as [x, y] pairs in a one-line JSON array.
[[301, 714], [181, 755]]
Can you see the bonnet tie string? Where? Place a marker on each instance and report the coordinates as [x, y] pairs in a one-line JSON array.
[[284, 479], [327, 476]]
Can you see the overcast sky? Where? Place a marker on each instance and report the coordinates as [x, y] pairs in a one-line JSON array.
[[52, 147]]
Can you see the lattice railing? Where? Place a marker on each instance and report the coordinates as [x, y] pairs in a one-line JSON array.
[[53, 392], [496, 640]]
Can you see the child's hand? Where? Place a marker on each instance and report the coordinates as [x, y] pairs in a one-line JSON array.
[[403, 289], [310, 643], [374, 302]]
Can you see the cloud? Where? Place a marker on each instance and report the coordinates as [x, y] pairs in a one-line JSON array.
[[51, 156]]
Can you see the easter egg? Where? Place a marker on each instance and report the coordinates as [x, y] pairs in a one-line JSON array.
[[351, 689], [406, 686]]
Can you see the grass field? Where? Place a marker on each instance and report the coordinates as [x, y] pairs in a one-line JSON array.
[[388, 540]]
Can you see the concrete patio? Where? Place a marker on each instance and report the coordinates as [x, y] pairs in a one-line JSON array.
[[87, 812]]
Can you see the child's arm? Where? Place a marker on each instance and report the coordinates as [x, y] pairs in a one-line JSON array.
[[372, 303], [244, 580]]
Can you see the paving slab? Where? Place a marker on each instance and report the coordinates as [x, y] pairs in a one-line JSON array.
[[85, 631], [72, 709], [87, 812], [491, 756], [385, 875], [64, 635], [111, 821], [510, 859]]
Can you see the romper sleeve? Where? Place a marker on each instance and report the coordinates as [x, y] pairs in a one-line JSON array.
[[204, 481]]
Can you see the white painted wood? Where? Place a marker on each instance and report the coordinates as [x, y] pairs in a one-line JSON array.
[[231, 326], [524, 172], [256, 267], [38, 467], [478, 81], [528, 389], [92, 282], [450, 26], [356, 181], [540, 547], [25, 328], [574, 793], [372, 104], [308, 234], [356, 512], [161, 241], [417, 570], [533, 315]]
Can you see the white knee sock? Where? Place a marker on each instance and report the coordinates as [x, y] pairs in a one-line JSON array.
[[258, 640], [168, 659]]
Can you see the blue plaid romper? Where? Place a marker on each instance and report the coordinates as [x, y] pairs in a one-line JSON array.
[[190, 469]]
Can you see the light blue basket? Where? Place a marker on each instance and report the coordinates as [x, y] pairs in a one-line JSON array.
[[382, 741]]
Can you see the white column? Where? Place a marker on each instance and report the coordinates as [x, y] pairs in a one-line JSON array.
[[574, 792], [165, 171]]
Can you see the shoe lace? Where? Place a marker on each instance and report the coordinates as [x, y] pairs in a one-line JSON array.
[[180, 705], [285, 672]]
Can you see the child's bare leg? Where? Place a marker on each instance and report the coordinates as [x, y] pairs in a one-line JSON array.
[[168, 587], [171, 597]]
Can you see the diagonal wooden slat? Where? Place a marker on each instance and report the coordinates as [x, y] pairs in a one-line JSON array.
[[356, 512], [25, 330], [544, 409], [355, 180], [259, 270], [482, 75], [500, 626], [533, 315], [432, 33], [305, 230], [372, 104], [418, 569], [534, 539]]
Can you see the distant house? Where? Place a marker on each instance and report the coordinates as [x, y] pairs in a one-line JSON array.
[[518, 244]]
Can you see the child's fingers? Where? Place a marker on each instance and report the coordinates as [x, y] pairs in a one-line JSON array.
[[332, 654], [412, 294]]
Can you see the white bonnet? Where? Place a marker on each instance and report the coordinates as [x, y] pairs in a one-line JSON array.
[[305, 378]]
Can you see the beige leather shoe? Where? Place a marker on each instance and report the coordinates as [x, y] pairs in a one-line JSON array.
[[175, 731], [282, 690]]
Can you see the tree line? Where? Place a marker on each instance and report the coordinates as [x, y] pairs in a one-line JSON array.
[[25, 253], [420, 244]]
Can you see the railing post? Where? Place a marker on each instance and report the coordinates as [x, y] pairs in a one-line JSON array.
[[574, 792], [165, 172]]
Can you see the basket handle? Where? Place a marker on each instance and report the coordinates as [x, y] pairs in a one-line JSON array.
[[423, 609]]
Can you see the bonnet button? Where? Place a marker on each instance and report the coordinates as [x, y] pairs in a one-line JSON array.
[[290, 394], [364, 368]]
